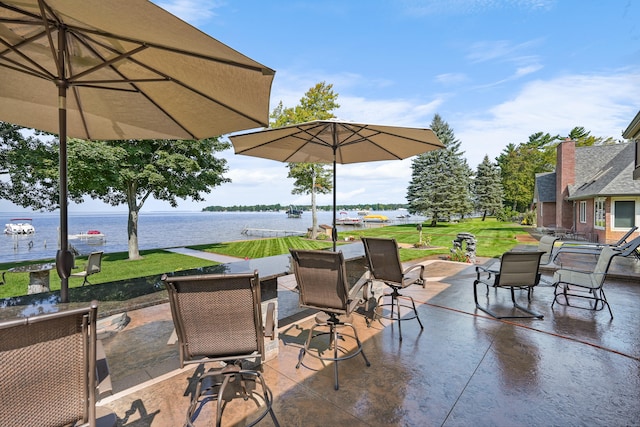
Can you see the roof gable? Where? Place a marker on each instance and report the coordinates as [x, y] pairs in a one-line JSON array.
[[604, 170], [545, 187]]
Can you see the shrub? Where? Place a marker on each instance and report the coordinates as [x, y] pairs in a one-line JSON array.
[[529, 218], [458, 255]]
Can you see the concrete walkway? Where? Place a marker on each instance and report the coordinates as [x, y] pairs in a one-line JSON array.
[[575, 367]]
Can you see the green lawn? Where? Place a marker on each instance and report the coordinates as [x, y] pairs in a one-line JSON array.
[[494, 238], [115, 266]]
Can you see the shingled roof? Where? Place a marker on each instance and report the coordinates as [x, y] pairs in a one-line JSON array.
[[601, 170], [545, 190], [604, 170]]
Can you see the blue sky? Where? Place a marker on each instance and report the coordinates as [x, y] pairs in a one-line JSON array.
[[496, 70]]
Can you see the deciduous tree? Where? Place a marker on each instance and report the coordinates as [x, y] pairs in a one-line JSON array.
[[318, 103], [116, 172]]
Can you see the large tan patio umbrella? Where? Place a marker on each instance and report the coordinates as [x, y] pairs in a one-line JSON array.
[[333, 141], [120, 69]]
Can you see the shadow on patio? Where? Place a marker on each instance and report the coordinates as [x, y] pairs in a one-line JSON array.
[[575, 367]]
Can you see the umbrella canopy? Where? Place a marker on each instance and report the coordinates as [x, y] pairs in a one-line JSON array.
[[120, 69], [332, 141]]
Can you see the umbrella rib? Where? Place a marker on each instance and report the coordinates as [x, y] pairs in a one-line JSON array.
[[47, 29], [262, 69], [163, 77], [109, 63], [23, 67]]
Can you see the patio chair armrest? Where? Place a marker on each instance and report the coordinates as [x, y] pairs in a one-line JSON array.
[[363, 283], [488, 270], [415, 267], [270, 323], [420, 280]]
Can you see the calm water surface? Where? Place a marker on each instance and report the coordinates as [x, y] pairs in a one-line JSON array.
[[156, 230]]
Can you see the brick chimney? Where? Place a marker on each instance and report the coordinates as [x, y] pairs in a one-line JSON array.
[[565, 176]]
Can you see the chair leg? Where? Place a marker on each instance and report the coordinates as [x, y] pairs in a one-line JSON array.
[[238, 374], [395, 309], [526, 310], [532, 314], [334, 338], [597, 295]]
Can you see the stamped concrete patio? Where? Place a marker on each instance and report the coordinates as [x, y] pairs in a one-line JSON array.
[[575, 367]]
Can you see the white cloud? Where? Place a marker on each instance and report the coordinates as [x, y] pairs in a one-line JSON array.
[[602, 104], [418, 8], [192, 11], [452, 78]]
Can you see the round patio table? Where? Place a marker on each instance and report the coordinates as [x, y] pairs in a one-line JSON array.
[[38, 276]]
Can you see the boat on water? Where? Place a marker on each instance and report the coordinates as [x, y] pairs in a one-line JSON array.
[[363, 212], [294, 212], [95, 236], [345, 219], [19, 226], [375, 218], [405, 214]]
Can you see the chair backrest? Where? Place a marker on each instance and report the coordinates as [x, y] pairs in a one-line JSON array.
[[630, 248], [217, 316], [94, 263], [545, 245], [48, 369], [322, 280], [603, 263], [383, 259], [519, 268]]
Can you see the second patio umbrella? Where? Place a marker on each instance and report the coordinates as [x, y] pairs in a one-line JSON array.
[[333, 141], [116, 70]]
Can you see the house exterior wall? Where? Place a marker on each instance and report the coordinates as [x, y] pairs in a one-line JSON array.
[[586, 228], [546, 214], [565, 176], [611, 233]]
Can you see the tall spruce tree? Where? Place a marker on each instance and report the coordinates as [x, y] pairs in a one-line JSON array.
[[487, 188], [441, 179]]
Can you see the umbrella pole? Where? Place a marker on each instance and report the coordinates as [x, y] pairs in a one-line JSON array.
[[64, 258], [334, 231]]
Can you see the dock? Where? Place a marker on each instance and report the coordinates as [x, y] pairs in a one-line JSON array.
[[265, 232]]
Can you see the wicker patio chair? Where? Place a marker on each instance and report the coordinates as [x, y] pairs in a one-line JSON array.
[[322, 285], [218, 318], [93, 266], [48, 372], [518, 270], [384, 264]]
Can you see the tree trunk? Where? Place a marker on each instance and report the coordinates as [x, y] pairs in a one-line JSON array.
[[484, 215], [132, 230]]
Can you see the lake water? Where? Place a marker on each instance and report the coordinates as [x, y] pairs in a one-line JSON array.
[[158, 229]]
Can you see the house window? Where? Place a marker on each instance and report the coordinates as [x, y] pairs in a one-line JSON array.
[[583, 212], [624, 213], [599, 214]]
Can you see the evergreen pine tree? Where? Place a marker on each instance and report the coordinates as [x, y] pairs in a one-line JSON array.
[[488, 188], [441, 179]]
